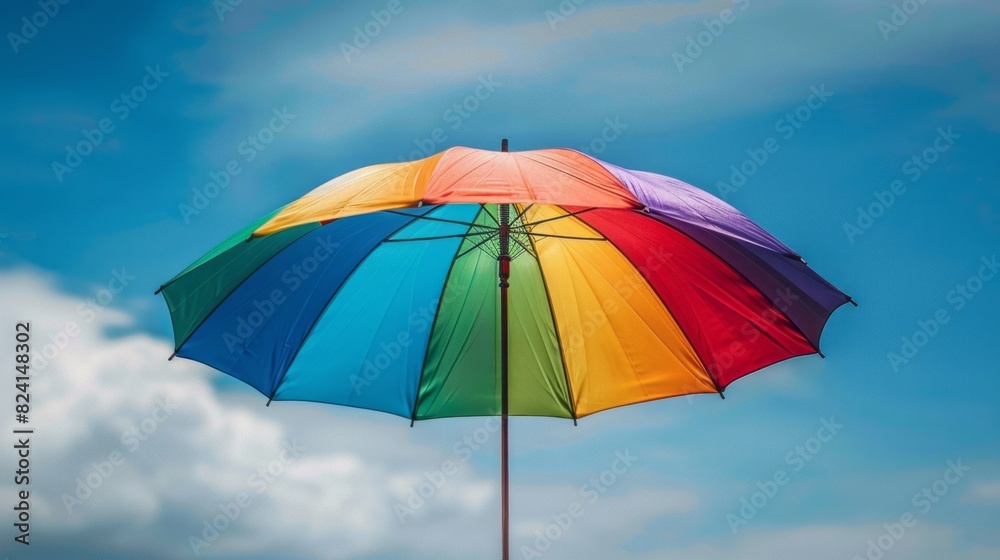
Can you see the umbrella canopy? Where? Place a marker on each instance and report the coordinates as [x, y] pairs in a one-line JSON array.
[[379, 290], [398, 288]]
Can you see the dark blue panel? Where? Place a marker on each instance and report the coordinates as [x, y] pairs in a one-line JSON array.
[[255, 332], [367, 350]]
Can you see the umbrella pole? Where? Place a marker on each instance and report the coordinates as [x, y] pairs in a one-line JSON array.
[[504, 272], [504, 459]]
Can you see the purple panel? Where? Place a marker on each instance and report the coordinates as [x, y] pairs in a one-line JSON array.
[[806, 298], [692, 205]]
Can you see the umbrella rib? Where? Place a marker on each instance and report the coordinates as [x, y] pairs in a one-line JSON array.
[[240, 283], [315, 322], [523, 246], [527, 186], [521, 214], [555, 325], [437, 313], [492, 217], [529, 234], [745, 279], [436, 237], [519, 230], [473, 248], [431, 219], [183, 273], [554, 218]]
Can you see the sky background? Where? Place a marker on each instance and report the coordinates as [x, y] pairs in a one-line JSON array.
[[118, 220]]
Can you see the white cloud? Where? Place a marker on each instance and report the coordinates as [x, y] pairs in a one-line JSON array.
[[451, 55], [925, 541], [357, 465], [200, 455], [599, 523], [984, 492]]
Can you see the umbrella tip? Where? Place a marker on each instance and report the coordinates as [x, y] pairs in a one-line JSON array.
[[821, 354], [412, 421], [503, 145], [158, 290], [172, 356], [269, 401], [851, 301]]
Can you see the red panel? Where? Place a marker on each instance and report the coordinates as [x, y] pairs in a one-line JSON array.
[[732, 326]]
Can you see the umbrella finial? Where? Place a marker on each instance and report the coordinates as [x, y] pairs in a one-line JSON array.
[[503, 145]]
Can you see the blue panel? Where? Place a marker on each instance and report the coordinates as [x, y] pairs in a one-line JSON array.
[[423, 229], [254, 332], [367, 350]]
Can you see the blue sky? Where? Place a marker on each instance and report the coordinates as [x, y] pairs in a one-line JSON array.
[[197, 85]]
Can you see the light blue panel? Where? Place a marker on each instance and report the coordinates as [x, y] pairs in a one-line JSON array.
[[431, 228], [367, 349], [254, 332]]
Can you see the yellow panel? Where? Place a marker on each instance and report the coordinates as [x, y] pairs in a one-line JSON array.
[[620, 343], [369, 189]]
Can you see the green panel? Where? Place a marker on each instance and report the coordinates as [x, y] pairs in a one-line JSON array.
[[234, 240], [461, 369], [537, 384], [461, 375], [196, 292]]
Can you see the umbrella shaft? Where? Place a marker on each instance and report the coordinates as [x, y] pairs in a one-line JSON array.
[[503, 262], [505, 514], [503, 211]]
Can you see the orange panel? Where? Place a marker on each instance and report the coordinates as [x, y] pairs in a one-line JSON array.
[[555, 176], [369, 189]]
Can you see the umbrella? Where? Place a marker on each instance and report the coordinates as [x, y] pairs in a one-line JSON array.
[[484, 283]]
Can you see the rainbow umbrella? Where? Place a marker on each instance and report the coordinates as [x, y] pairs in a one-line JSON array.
[[482, 283]]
